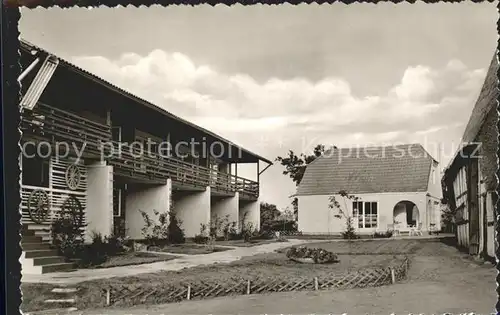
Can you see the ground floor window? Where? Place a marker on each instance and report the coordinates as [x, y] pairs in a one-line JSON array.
[[118, 201], [366, 214]]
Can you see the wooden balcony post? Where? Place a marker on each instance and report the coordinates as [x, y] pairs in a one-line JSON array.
[[258, 171]]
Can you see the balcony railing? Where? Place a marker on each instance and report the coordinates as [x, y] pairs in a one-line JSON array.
[[52, 124], [130, 160], [47, 123]]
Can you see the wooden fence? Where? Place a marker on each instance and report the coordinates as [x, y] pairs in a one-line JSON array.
[[202, 289]]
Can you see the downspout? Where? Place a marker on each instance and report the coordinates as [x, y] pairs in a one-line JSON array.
[[28, 70]]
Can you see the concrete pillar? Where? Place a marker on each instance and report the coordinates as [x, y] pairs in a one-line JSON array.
[[226, 206], [99, 211], [193, 209], [145, 198], [249, 212]]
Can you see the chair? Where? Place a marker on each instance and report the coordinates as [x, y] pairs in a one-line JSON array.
[[416, 230], [394, 228]]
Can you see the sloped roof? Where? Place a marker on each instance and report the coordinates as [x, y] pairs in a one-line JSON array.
[[26, 46], [402, 168], [486, 101], [486, 105]]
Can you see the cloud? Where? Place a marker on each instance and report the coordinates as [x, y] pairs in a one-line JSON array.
[[424, 103]]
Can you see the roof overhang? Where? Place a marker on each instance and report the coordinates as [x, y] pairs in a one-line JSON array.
[[466, 153], [29, 48]]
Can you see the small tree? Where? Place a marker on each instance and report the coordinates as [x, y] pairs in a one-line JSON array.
[[295, 167], [349, 232], [175, 234], [155, 231]]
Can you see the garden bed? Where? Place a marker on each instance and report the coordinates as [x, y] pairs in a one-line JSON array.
[[189, 249]]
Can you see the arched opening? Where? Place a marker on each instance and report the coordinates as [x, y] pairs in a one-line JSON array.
[[406, 215]]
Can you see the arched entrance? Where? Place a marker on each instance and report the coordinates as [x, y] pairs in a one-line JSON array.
[[406, 215]]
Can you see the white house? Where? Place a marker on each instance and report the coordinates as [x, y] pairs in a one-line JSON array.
[[396, 186]]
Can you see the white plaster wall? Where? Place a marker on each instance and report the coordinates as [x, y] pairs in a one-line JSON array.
[[99, 211], [434, 186], [145, 198], [252, 208], [316, 218], [227, 206], [193, 209]]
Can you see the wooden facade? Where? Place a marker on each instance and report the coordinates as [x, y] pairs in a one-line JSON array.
[[472, 204]]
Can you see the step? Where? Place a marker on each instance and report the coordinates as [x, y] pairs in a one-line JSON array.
[[58, 311], [26, 232], [40, 261], [57, 267], [40, 253], [60, 301], [31, 239], [34, 246], [64, 290], [38, 227]]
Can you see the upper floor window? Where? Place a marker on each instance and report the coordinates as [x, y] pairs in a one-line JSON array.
[[35, 171]]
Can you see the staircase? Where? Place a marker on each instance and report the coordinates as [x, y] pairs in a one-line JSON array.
[[38, 256]]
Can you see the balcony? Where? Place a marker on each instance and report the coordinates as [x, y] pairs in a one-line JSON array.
[[129, 161], [46, 123]]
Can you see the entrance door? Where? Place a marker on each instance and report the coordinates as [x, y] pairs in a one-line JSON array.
[[473, 202]]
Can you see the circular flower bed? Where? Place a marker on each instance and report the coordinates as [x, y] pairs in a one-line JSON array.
[[311, 255]]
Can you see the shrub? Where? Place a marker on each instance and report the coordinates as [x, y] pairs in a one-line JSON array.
[[228, 229], [350, 232], [387, 234], [115, 244], [119, 227], [175, 234], [67, 237], [155, 233], [280, 225], [94, 253], [247, 231], [202, 238], [234, 235]]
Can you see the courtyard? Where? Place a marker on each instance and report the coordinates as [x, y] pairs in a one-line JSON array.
[[441, 280], [437, 270]]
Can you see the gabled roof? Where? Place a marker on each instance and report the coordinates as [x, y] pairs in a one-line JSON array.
[[28, 47], [402, 168]]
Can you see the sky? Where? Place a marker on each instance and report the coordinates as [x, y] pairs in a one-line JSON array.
[[279, 78]]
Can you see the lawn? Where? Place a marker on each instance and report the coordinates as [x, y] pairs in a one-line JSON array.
[[242, 243], [370, 247], [190, 249], [352, 255], [134, 258], [34, 295], [274, 264]]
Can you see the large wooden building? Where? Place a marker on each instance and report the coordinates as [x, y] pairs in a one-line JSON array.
[[470, 182], [67, 112]]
